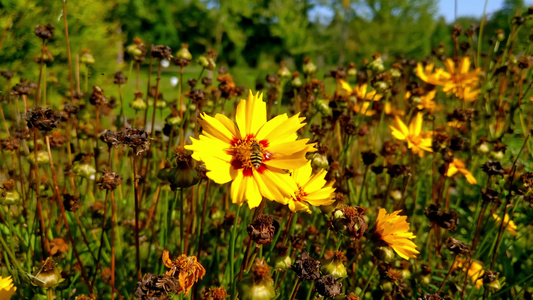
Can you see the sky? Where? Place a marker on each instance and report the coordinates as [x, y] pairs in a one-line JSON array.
[[470, 8], [446, 8]]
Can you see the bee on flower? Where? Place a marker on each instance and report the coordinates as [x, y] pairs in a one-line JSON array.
[[253, 153], [417, 140]]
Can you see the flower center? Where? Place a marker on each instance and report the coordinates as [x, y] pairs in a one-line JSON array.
[[299, 195], [249, 154]]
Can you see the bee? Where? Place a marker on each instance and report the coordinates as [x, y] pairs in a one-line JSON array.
[[256, 156]]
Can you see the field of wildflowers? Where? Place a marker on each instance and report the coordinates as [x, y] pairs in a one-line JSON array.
[[381, 179]]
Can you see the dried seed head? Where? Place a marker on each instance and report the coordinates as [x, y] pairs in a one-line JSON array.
[[262, 230], [57, 139], [306, 267], [45, 32], [159, 287], [48, 275], [298, 241], [136, 139], [493, 168], [389, 148], [42, 118], [328, 286], [227, 86], [10, 144], [457, 246], [111, 138], [369, 157], [6, 74], [97, 97], [119, 78], [490, 195], [162, 52], [24, 87], [397, 170], [109, 180], [71, 202], [446, 220], [430, 297]]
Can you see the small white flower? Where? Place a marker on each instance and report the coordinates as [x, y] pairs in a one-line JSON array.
[[165, 63], [174, 80]]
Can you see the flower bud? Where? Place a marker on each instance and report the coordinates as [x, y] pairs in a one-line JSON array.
[[309, 67], [184, 52], [395, 73], [258, 286], [8, 194], [377, 64], [322, 105], [283, 262], [385, 254], [381, 86], [85, 170], [42, 158], [139, 103], [335, 265], [202, 61], [283, 71], [319, 161], [182, 177], [86, 57], [386, 286]]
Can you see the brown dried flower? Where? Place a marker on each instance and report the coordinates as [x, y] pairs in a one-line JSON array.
[[457, 246], [136, 139], [306, 267], [109, 180], [44, 119], [328, 286], [162, 52], [262, 230], [186, 268], [156, 287], [45, 32]]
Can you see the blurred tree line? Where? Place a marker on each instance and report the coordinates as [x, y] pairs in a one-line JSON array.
[[243, 32]]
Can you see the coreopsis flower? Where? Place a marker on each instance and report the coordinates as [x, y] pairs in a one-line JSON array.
[[360, 91], [510, 226], [311, 189], [457, 79], [253, 153], [426, 101], [186, 268], [7, 288], [474, 270], [413, 135], [458, 165], [393, 229]]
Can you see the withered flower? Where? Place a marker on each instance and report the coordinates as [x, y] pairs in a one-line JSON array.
[[70, 110], [350, 220], [306, 267], [369, 157], [6, 74], [119, 78], [45, 32], [157, 287], [136, 139], [298, 241], [71, 202], [83, 297], [24, 87], [111, 138], [42, 118], [493, 168], [258, 286], [227, 86], [430, 297], [389, 148], [218, 293], [335, 265], [162, 52], [58, 245], [57, 139], [457, 246], [262, 230], [186, 268], [490, 280], [49, 275], [397, 170], [97, 97], [328, 286], [109, 180], [10, 144], [446, 220], [183, 56], [20, 132], [490, 195]]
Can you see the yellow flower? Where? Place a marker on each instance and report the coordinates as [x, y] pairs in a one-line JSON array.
[[427, 101], [475, 270], [360, 91], [415, 138], [394, 230], [186, 268], [253, 153], [456, 79], [7, 288], [458, 165], [509, 224], [311, 189]]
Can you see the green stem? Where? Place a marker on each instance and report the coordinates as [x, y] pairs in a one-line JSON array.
[[232, 251], [362, 295]]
